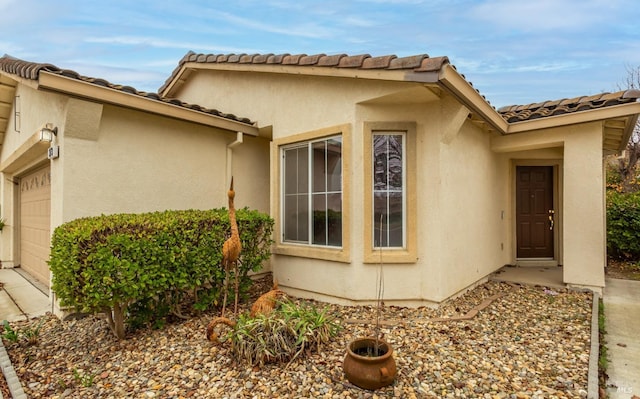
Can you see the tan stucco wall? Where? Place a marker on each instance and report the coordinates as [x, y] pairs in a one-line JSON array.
[[474, 198], [584, 237], [462, 187], [114, 159], [271, 99], [580, 190], [140, 162]]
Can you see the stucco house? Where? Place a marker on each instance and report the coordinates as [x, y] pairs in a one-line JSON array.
[[360, 160], [73, 146]]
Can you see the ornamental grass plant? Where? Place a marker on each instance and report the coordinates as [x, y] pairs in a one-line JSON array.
[[282, 335]]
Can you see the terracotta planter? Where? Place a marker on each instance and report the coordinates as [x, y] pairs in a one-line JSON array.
[[366, 369]]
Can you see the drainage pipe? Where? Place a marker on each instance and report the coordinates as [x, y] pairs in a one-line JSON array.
[[229, 167]]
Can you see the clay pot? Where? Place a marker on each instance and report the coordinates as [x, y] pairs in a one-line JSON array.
[[367, 369]]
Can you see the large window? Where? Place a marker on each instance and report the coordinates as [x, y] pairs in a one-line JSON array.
[[312, 192], [389, 190]]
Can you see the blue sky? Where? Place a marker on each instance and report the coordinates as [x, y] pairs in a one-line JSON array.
[[514, 52]]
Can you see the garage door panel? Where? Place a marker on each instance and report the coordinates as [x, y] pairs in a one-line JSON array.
[[35, 219]]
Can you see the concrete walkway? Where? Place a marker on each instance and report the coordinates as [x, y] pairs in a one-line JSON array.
[[622, 313], [550, 277], [20, 298]]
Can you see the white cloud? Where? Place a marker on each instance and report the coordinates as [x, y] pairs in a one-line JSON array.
[[358, 22], [394, 2], [159, 43], [511, 49], [307, 30], [546, 15]]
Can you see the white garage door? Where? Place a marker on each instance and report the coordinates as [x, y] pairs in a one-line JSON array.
[[35, 212]]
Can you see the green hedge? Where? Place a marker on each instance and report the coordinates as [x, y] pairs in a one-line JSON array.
[[132, 266], [623, 225]]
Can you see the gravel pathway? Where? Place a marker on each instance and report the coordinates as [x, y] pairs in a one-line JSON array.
[[528, 343]]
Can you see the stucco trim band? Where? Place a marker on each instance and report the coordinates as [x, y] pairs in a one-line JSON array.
[[29, 151]]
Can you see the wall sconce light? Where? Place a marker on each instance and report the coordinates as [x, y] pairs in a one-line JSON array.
[[47, 134]]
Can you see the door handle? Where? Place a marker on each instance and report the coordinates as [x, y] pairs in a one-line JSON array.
[[551, 212]]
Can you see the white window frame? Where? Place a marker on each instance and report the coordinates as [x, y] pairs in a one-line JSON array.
[[310, 193]]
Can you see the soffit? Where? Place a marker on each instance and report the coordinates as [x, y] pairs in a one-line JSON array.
[[7, 94], [414, 95]]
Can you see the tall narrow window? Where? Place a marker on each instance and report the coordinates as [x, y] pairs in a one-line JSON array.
[[312, 193], [389, 198]]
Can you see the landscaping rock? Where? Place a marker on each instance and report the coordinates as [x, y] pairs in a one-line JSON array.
[[525, 344]]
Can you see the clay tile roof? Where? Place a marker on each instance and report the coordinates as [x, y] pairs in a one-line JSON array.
[[276, 59], [521, 113], [416, 63], [246, 59], [27, 70], [632, 93], [31, 71], [382, 62], [234, 58], [412, 62], [261, 58], [330, 60], [310, 59], [432, 64], [353, 61], [292, 59]]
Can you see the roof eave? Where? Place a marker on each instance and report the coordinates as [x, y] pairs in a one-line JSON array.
[[8, 87], [399, 75], [78, 88], [601, 114], [178, 81], [628, 132], [461, 89]]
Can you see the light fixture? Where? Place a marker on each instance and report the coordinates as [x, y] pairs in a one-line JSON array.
[[47, 133]]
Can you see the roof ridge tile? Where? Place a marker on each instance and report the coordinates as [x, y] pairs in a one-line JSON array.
[[330, 60], [261, 58], [410, 62], [381, 62], [277, 58], [353, 61], [235, 58], [430, 64], [631, 93], [292, 59], [310, 59]]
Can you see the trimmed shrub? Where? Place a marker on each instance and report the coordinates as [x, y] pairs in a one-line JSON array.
[[623, 225], [151, 263]]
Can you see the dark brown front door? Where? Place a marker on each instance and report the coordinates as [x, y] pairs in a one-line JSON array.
[[534, 211]]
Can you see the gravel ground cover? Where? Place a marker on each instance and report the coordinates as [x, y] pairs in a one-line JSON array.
[[531, 342]]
